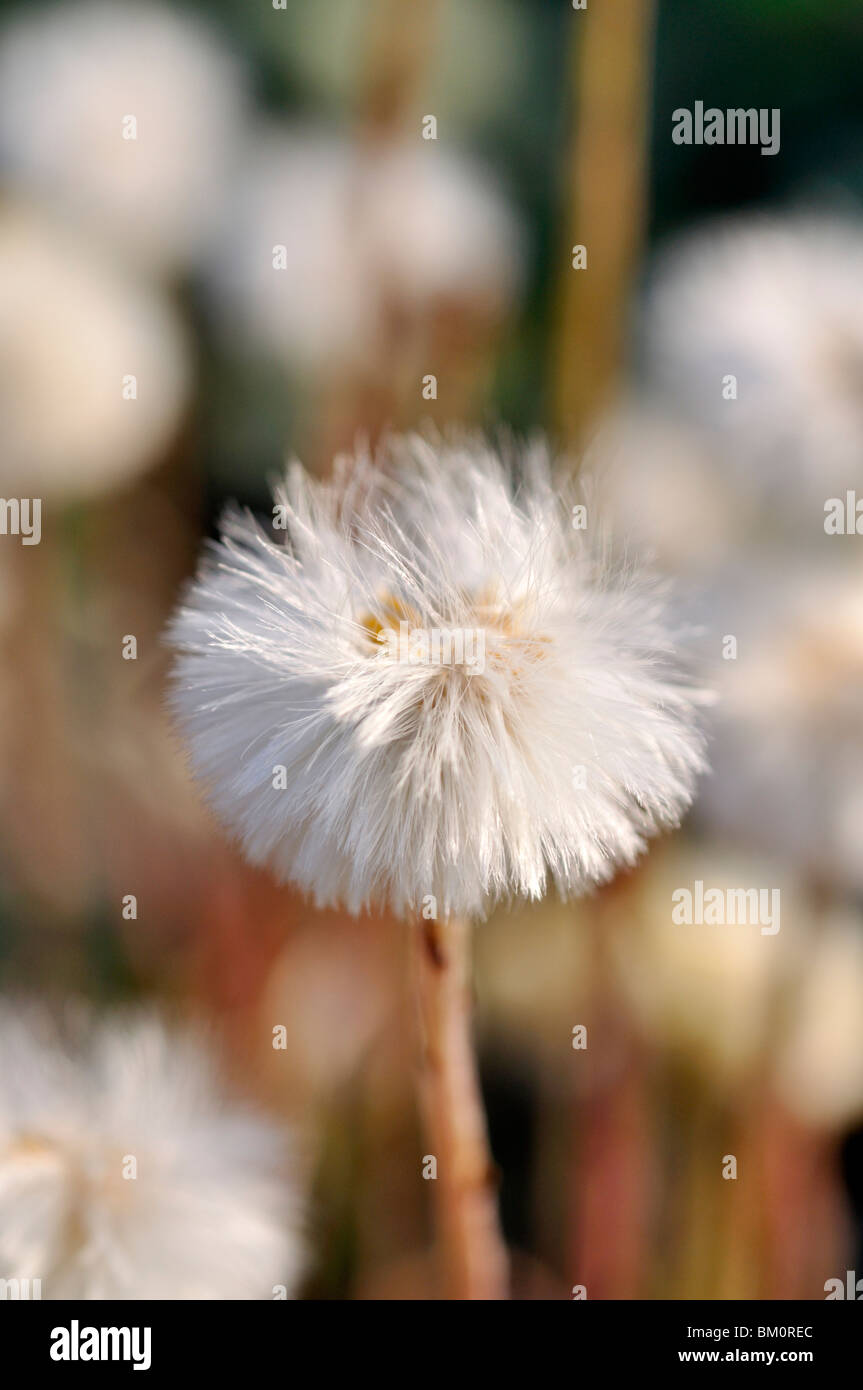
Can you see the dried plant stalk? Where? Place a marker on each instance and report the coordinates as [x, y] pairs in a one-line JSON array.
[[474, 1258], [606, 178]]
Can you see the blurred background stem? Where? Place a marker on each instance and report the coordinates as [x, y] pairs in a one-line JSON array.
[[402, 36], [605, 182], [362, 401]]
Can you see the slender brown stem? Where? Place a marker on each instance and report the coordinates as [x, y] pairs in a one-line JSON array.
[[606, 177], [401, 50], [473, 1254]]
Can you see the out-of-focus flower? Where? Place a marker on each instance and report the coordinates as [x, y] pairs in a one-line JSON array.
[[126, 1173], [326, 242], [709, 992], [656, 484], [434, 688], [126, 117], [777, 303], [441, 230], [819, 1072], [787, 742], [95, 365], [331, 989]]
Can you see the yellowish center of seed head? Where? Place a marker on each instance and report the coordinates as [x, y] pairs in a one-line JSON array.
[[486, 611], [27, 1145], [391, 611]]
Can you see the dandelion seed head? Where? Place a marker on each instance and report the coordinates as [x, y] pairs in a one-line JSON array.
[[406, 777], [151, 191], [127, 1172], [777, 303]]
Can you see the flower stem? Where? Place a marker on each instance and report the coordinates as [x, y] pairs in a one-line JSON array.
[[474, 1258], [606, 176]]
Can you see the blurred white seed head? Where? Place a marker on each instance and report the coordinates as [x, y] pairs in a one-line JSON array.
[[777, 303], [787, 735], [72, 75], [73, 331], [210, 1212], [819, 1071], [361, 234], [709, 992], [331, 988], [659, 488], [403, 780]]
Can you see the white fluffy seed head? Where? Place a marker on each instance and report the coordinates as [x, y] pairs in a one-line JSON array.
[[367, 775], [68, 428], [777, 303], [126, 119], [367, 233], [126, 1173], [788, 736]]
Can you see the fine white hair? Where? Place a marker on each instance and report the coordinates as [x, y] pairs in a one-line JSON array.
[[127, 1172], [369, 779]]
